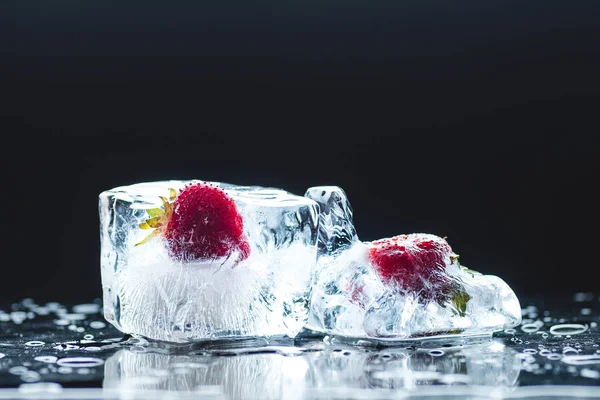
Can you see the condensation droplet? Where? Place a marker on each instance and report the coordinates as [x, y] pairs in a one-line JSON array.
[[88, 337]]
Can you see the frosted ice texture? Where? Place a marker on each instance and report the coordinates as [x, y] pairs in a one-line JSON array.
[[383, 312], [149, 294]]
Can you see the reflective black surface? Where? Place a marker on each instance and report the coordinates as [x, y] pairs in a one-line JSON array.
[[59, 351]]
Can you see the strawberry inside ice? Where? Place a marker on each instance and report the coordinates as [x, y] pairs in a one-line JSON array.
[[205, 224], [414, 262]]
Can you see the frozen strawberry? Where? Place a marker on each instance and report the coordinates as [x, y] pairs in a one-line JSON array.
[[201, 222], [414, 262]]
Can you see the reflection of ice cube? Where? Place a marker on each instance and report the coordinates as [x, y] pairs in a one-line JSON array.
[[250, 376], [148, 293], [349, 298], [359, 373]]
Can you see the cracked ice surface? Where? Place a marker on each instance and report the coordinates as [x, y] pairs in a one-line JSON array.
[[149, 294], [349, 298]]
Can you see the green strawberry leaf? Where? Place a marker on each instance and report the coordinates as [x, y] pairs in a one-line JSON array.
[[459, 299]]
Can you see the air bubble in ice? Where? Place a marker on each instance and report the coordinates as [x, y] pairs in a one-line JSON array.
[[80, 362], [61, 322], [65, 370], [554, 356], [530, 351], [586, 311], [568, 329], [510, 331]]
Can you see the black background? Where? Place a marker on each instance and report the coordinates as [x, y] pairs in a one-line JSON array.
[[474, 120]]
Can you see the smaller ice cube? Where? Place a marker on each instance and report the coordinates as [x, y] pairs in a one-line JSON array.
[[351, 297], [149, 292]]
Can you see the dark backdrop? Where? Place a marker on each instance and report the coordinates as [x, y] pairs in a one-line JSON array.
[[474, 120]]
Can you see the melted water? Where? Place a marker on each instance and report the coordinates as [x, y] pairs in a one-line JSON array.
[[55, 350]]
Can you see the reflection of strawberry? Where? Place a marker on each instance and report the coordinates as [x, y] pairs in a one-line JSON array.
[[201, 222], [413, 262]]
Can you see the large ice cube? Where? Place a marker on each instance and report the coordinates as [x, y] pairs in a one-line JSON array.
[[349, 297], [147, 292]]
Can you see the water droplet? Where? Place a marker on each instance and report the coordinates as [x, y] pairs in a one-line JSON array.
[[510, 331], [65, 370], [30, 376], [40, 388], [530, 351], [92, 348], [569, 349], [61, 322], [581, 359], [436, 353], [97, 324], [90, 308], [585, 311], [18, 370], [35, 343], [568, 329], [590, 373], [46, 359], [554, 356], [73, 316], [83, 371], [581, 297], [80, 362]]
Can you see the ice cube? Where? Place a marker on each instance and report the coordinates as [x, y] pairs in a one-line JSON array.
[[150, 293], [350, 297]]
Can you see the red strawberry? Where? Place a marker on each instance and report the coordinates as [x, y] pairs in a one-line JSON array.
[[201, 223], [414, 262]]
